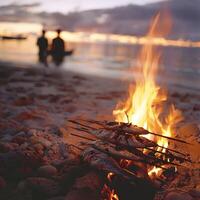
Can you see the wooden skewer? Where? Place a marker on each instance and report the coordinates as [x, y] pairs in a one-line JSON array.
[[175, 157], [82, 124], [77, 147], [141, 160], [83, 137], [165, 162], [169, 138], [115, 155], [87, 131], [169, 149], [156, 134], [80, 129]]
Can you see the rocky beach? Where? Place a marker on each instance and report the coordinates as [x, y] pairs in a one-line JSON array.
[[37, 154]]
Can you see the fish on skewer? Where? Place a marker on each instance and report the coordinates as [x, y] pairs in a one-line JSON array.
[[129, 128], [121, 140], [129, 143], [125, 133], [123, 154], [105, 163], [113, 149], [110, 150]]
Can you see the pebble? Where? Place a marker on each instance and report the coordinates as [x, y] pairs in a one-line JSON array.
[[43, 141], [22, 185], [196, 107], [19, 139], [6, 147], [178, 196], [87, 187], [2, 183], [38, 147], [91, 181], [47, 171], [81, 194], [22, 133], [6, 138], [195, 192], [43, 185], [57, 198], [55, 130], [31, 132]]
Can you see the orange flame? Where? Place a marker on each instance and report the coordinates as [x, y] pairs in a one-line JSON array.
[[144, 106], [110, 194], [113, 196]]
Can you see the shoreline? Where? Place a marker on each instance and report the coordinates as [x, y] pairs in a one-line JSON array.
[[182, 85]]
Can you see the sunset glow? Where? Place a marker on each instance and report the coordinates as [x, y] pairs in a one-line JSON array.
[[9, 28]]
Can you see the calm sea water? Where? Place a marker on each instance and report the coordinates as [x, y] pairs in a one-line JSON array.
[[179, 66]]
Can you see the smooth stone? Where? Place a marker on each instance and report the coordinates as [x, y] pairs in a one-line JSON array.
[[6, 138], [41, 140], [2, 183], [47, 170], [196, 107], [90, 181], [178, 196], [195, 192], [57, 198], [19, 139], [55, 130], [38, 147], [6, 147], [22, 185], [22, 133], [44, 186], [87, 187], [31, 132], [81, 194]]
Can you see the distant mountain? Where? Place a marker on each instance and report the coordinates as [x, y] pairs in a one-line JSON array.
[[130, 19]]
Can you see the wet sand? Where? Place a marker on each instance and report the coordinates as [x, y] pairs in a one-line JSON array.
[[35, 98], [39, 97]]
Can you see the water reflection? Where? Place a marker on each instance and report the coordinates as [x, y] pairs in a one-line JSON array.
[[108, 59]]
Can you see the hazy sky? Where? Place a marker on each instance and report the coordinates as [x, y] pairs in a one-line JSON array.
[[71, 5]]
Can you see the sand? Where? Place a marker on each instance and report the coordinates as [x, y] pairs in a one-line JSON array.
[[38, 98]]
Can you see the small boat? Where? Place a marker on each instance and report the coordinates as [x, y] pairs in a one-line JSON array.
[[18, 37]]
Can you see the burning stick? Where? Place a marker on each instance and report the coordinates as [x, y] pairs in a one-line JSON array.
[[83, 137], [178, 158]]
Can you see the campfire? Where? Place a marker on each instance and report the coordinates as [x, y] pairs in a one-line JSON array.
[[145, 104], [134, 149]]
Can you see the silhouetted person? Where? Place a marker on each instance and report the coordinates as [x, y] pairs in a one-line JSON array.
[[42, 44], [58, 49]]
